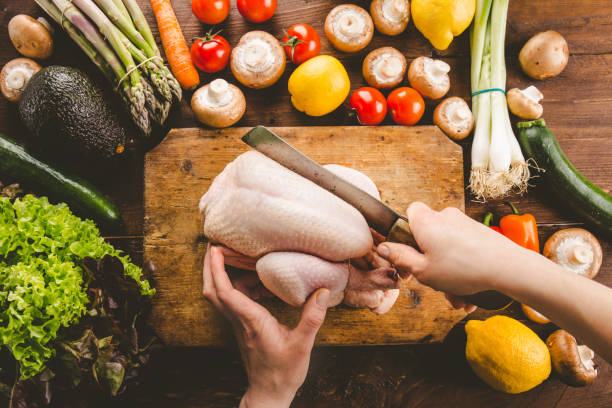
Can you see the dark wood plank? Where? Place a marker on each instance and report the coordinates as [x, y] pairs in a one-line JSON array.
[[578, 109]]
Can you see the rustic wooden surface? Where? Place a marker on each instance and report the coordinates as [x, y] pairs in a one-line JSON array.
[[398, 159], [577, 107]]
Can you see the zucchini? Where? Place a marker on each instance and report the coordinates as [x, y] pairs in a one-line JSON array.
[[588, 200], [82, 197]]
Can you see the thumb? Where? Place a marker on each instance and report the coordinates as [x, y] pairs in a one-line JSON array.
[[313, 316], [405, 258]]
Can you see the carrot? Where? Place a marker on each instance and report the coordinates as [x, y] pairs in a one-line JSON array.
[[175, 46]]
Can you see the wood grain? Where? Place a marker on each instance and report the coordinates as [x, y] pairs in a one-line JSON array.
[[406, 163], [576, 106]]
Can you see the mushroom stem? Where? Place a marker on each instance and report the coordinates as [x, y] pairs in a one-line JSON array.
[[394, 10], [254, 55], [350, 24], [218, 93], [533, 93], [390, 67], [586, 357], [435, 70], [580, 254], [16, 79]]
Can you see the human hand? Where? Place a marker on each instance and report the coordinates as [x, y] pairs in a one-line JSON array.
[[276, 358], [460, 256]]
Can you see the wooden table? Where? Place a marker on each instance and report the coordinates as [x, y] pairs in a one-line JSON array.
[[577, 107]]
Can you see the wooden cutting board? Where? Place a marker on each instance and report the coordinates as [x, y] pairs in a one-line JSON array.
[[406, 163]]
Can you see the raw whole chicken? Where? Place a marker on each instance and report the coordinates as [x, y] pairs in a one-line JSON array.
[[296, 235]]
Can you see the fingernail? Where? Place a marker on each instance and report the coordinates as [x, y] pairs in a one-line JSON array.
[[383, 251], [323, 298]]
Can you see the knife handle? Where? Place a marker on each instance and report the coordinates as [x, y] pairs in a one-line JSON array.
[[400, 233], [489, 299]]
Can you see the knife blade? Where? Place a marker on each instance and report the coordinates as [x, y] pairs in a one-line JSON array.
[[378, 215]]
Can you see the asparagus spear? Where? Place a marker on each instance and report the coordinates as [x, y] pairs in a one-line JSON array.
[[141, 23], [162, 75], [91, 42], [81, 40], [108, 29], [152, 70], [143, 27], [119, 4], [124, 23], [158, 110]]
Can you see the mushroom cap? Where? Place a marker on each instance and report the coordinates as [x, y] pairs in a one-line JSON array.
[[219, 115], [390, 17], [575, 249], [534, 315], [258, 61], [30, 37], [349, 27], [454, 117], [428, 76], [526, 103], [26, 67], [384, 68], [567, 360], [545, 55]]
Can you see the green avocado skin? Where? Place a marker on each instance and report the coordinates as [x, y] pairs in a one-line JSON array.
[[62, 107]]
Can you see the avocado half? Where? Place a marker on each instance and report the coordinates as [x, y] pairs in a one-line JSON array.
[[63, 107]]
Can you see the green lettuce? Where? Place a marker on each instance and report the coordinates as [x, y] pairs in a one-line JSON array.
[[42, 280]]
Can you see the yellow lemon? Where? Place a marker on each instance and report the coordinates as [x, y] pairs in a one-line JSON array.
[[442, 20], [506, 354], [319, 85]]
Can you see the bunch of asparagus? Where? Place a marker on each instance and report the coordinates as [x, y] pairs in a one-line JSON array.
[[116, 37]]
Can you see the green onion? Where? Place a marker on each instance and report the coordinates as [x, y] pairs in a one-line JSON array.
[[498, 165]]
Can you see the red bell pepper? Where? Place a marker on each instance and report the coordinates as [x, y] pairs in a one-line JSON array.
[[487, 221]]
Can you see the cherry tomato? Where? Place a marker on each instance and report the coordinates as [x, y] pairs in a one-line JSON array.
[[210, 11], [406, 106], [370, 105], [210, 53], [301, 43], [256, 11]]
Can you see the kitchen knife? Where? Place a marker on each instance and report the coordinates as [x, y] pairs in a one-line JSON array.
[[378, 215]]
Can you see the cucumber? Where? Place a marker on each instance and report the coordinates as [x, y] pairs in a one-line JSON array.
[[82, 198], [588, 200]]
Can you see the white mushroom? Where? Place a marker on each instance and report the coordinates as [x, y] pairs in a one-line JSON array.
[[30, 37], [545, 55], [258, 61], [15, 76], [384, 68], [525, 103], [349, 28], [575, 249], [390, 17], [454, 117], [429, 77], [218, 104]]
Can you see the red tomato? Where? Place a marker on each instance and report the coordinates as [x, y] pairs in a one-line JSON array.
[[370, 105], [256, 11], [406, 106], [210, 11], [301, 43], [210, 53]]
